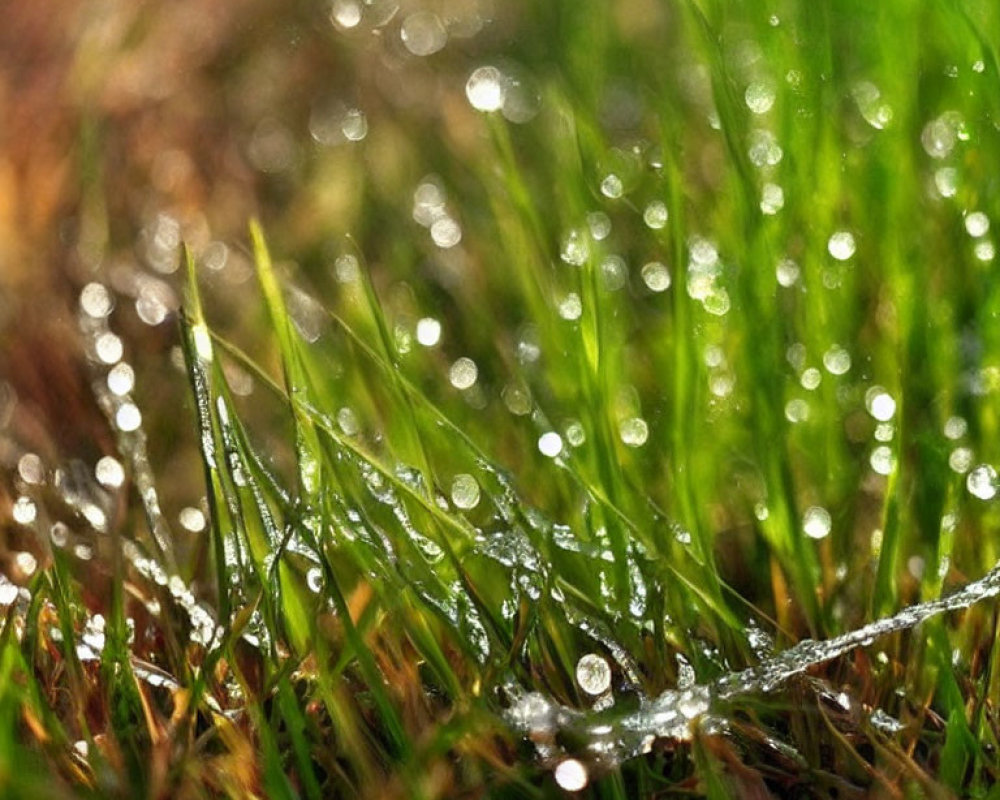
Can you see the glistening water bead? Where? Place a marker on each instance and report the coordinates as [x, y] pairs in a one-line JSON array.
[[463, 373], [982, 482], [816, 522], [485, 89], [593, 674], [464, 491]]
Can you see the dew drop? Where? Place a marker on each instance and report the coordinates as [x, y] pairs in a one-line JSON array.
[[31, 469], [977, 224], [614, 272], [26, 563], [984, 251], [314, 580], [960, 460], [946, 181], [880, 404], [571, 775], [571, 307], [816, 522], [612, 187], [955, 427], [882, 460], [463, 373], [656, 276], [797, 410], [575, 434], [109, 472], [759, 97], [24, 511], [128, 417], [446, 232], [655, 216], [811, 378], [347, 421], [634, 431], [96, 301], [938, 137], [485, 89], [841, 245], [787, 272], [465, 491], [772, 199], [428, 331], [982, 482], [423, 34], [575, 249], [121, 379], [550, 444], [345, 14], [192, 519], [837, 360], [599, 225], [593, 674], [109, 348]]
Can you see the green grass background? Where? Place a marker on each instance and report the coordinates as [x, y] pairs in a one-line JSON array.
[[391, 679]]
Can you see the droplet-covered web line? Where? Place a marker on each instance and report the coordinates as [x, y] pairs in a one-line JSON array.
[[608, 738]]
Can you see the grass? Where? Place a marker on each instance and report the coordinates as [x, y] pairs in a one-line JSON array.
[[735, 261]]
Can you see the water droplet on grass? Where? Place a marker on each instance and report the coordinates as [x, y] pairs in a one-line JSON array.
[[345, 14], [109, 472], [841, 245], [982, 482], [984, 251], [121, 379], [446, 232], [787, 272], [656, 276], [109, 348], [575, 434], [465, 491], [571, 775], [593, 674], [977, 224], [837, 360], [612, 186], [797, 410], [634, 431], [570, 307], [880, 404], [939, 136], [882, 460], [24, 511], [575, 249], [811, 378], [655, 216], [955, 427], [463, 373], [314, 580], [485, 89], [946, 181], [550, 444], [816, 522], [31, 469], [772, 199], [96, 301], [423, 34], [128, 417], [428, 331], [192, 519], [614, 272], [599, 225], [759, 97], [960, 460]]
